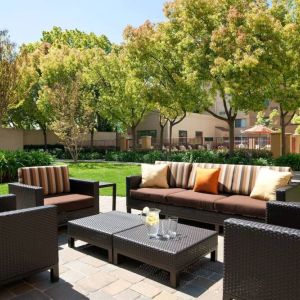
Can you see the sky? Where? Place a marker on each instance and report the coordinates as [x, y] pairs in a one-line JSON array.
[[26, 19]]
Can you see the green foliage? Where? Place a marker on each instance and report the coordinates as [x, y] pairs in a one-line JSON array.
[[10, 161], [291, 160]]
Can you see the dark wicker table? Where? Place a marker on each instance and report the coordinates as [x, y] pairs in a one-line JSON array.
[[171, 255], [97, 230]]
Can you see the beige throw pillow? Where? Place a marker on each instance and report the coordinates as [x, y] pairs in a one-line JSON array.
[[154, 176], [267, 182]]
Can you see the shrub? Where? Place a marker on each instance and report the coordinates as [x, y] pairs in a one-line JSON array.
[[10, 161], [289, 160]]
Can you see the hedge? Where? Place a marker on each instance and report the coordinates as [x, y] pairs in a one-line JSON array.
[[10, 161]]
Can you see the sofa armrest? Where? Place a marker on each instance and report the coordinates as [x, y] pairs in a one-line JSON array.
[[133, 182], [8, 202], [283, 214], [26, 195], [28, 240], [289, 193], [253, 251], [86, 187]]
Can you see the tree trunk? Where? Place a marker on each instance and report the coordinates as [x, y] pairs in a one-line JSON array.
[[231, 135], [161, 137], [45, 138], [282, 126], [92, 139], [133, 133], [170, 137]]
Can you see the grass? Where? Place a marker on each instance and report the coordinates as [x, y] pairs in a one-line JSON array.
[[108, 172]]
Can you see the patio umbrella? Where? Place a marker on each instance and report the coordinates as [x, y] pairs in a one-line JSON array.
[[258, 130]]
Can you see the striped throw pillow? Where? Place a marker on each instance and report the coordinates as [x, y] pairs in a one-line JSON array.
[[225, 177], [245, 177], [53, 179], [179, 173]]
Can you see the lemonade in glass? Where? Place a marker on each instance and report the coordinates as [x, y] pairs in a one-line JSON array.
[[151, 220]]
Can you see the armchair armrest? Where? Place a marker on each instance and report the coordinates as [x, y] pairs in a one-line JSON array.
[[8, 202], [86, 187], [132, 182], [256, 259], [26, 195], [283, 214], [28, 241], [289, 193]]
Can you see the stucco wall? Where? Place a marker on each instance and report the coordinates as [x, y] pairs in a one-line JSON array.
[[35, 137], [11, 139]]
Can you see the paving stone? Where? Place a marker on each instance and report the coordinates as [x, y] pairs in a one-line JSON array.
[[20, 287], [6, 294], [96, 281], [146, 289], [82, 267], [166, 296], [32, 295], [116, 287], [93, 261], [72, 276], [100, 295], [128, 295], [127, 275], [210, 295], [63, 292]]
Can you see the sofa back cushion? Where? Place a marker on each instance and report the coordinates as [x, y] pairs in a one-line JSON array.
[[179, 173], [245, 176], [53, 179], [225, 177]]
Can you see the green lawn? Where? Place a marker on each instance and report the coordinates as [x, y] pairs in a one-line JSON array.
[[101, 172]]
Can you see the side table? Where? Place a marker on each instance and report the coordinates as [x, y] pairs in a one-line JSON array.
[[114, 192]]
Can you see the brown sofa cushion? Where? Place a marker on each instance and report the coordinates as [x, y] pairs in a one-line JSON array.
[[70, 202], [153, 194], [194, 199], [242, 205]]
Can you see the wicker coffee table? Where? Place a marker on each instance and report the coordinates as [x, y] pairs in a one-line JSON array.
[[172, 255], [98, 230]]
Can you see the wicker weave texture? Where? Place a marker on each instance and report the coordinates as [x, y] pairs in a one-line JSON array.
[[28, 241], [261, 261]]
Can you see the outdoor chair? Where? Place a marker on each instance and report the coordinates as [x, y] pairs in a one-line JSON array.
[[51, 185], [28, 241], [262, 261]]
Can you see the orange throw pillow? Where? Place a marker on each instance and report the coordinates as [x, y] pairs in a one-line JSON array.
[[207, 180]]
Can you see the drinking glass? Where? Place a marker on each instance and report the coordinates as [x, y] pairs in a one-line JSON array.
[[173, 221], [165, 227], [152, 222]]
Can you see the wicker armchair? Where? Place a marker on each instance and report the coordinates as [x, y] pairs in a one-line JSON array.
[[81, 198], [262, 261], [28, 242]]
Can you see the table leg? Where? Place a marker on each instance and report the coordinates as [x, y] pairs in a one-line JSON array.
[[114, 203], [110, 256], [214, 255], [115, 258], [71, 242], [174, 278]]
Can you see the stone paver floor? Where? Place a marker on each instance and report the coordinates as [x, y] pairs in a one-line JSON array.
[[86, 274]]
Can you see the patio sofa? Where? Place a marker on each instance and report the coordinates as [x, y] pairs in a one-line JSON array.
[[262, 261], [234, 187], [51, 185], [28, 241]]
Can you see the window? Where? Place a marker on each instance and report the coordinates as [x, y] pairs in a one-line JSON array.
[[152, 133], [183, 137], [240, 123], [209, 139], [199, 137]]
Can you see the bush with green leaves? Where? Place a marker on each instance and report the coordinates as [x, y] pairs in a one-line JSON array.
[[10, 161]]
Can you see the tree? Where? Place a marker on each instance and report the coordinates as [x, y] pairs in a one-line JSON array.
[[8, 73], [152, 49], [27, 114], [64, 94], [122, 95], [223, 42], [262, 119]]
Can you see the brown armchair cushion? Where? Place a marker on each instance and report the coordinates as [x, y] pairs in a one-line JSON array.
[[70, 202], [153, 194], [242, 205], [193, 199], [53, 179]]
